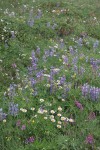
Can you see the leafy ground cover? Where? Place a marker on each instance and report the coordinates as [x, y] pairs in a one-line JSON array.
[[50, 75]]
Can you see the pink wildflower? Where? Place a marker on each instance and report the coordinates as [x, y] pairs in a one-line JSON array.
[[79, 105], [89, 139], [23, 127]]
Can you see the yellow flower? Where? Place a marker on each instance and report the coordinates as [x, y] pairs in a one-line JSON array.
[[23, 110], [41, 100], [59, 115], [81, 58], [63, 100], [48, 85], [26, 86], [60, 59], [51, 117], [71, 120], [8, 138], [59, 122], [60, 87], [52, 111], [32, 108], [45, 118], [63, 118], [53, 120], [45, 111], [33, 121], [58, 126], [74, 76], [59, 108], [4, 120]]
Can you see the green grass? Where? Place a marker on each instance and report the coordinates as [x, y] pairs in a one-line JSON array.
[[74, 19]]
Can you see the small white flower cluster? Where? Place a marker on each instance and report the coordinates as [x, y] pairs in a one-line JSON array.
[[23, 110]]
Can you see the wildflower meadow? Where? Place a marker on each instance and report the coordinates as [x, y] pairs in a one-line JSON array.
[[49, 75]]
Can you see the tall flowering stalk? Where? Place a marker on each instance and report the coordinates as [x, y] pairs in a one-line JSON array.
[[11, 91], [13, 109], [2, 115], [90, 92], [34, 61], [31, 20]]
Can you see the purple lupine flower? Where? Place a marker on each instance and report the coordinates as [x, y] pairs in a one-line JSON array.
[[51, 80], [94, 65], [91, 116], [65, 91], [94, 93], [85, 89], [13, 109], [30, 70], [71, 50], [46, 53], [39, 14], [80, 41], [75, 69], [23, 127], [62, 80], [55, 71], [33, 81], [89, 139], [2, 115], [54, 26], [65, 59], [39, 74], [82, 70], [62, 44], [11, 91], [75, 60], [34, 61], [79, 105], [91, 60], [96, 44], [52, 71], [98, 61], [34, 66], [31, 22], [51, 53], [29, 140], [94, 62]]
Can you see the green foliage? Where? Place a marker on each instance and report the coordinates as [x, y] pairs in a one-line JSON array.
[[67, 20]]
